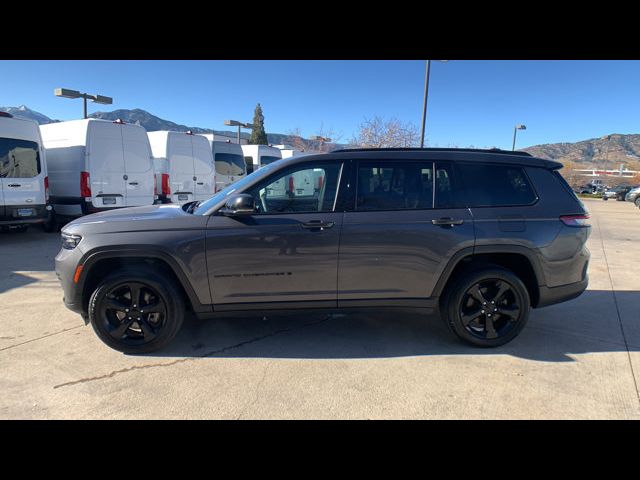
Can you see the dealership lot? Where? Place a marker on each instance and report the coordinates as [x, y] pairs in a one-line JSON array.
[[580, 359]]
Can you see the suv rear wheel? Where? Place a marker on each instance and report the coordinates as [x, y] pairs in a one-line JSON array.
[[136, 312], [487, 307]]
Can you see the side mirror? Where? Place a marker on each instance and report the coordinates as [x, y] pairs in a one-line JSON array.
[[239, 204]]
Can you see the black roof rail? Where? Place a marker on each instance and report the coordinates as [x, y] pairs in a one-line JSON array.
[[436, 149]]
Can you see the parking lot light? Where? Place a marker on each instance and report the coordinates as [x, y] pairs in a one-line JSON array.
[[67, 93]]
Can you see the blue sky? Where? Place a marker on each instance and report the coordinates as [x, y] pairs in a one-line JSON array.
[[470, 102]]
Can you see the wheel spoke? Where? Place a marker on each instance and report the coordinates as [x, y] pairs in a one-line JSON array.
[[476, 294], [148, 329], [153, 307], [503, 287], [120, 330], [115, 304], [467, 318], [135, 294], [512, 311], [489, 328]]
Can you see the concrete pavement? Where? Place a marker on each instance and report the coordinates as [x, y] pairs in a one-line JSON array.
[[575, 360]]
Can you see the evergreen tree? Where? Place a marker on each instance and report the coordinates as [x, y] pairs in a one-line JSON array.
[[258, 135]]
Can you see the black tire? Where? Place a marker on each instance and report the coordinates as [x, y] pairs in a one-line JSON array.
[[156, 328], [506, 322], [637, 202], [51, 224]]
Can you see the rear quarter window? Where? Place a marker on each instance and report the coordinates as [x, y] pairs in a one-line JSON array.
[[488, 185]]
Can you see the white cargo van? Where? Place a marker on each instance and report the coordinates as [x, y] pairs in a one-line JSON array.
[[183, 163], [24, 195], [257, 156], [229, 164], [97, 164]]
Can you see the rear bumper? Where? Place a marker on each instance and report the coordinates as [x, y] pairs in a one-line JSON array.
[[553, 295], [9, 214]]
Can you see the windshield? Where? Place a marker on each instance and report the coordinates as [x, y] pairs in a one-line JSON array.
[[235, 187]]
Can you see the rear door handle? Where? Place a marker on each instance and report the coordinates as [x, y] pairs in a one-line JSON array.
[[133, 183], [447, 221], [317, 224], [14, 185]]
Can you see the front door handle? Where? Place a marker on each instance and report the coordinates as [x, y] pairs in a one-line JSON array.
[[317, 224], [133, 183], [447, 221]]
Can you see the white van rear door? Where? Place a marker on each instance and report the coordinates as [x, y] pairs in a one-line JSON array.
[[203, 169], [106, 165], [21, 175], [181, 174], [138, 166]]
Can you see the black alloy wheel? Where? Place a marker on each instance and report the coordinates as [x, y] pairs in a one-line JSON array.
[[133, 313], [487, 306], [490, 309], [136, 312]]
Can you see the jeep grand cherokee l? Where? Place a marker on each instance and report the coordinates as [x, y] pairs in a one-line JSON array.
[[480, 236]]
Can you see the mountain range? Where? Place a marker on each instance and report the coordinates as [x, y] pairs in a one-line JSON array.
[[613, 149]]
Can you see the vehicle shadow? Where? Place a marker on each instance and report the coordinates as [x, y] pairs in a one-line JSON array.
[[588, 324], [31, 251]]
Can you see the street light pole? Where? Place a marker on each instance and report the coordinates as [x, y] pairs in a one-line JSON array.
[[424, 108], [66, 93], [515, 130], [424, 105], [606, 155], [234, 123]]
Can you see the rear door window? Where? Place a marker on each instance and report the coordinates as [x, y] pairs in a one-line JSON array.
[[19, 158], [229, 164], [394, 186], [488, 185]]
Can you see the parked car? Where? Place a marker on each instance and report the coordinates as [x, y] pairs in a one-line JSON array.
[[229, 162], [97, 165], [24, 184], [619, 191], [480, 236], [183, 164], [633, 195]]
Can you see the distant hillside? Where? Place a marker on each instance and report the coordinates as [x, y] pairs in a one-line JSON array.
[[24, 112], [593, 152], [141, 117]]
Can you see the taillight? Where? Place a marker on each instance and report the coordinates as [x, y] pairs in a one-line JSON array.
[[166, 190], [155, 184], [85, 185], [291, 185], [46, 189], [575, 220]]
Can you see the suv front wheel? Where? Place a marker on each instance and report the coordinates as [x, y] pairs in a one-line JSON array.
[[136, 312], [487, 307]]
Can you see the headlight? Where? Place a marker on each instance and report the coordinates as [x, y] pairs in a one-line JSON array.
[[70, 241]]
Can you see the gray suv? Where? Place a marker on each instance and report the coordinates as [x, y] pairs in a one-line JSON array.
[[479, 236]]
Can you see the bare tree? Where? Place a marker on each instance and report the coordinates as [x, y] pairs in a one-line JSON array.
[[380, 133], [333, 136], [294, 138]]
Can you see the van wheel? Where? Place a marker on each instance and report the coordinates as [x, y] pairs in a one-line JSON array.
[[487, 307], [51, 224], [137, 312]]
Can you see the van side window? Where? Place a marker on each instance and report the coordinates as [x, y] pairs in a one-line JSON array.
[[19, 158], [394, 186], [305, 188]]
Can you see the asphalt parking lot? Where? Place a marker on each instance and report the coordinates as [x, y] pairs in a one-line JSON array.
[[580, 359]]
